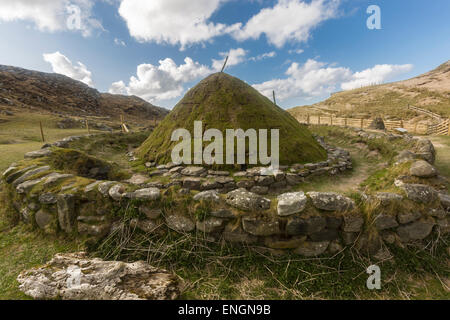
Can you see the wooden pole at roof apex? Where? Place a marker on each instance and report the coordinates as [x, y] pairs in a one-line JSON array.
[[274, 98], [225, 64]]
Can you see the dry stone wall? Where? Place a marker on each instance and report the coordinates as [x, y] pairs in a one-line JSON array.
[[235, 208]]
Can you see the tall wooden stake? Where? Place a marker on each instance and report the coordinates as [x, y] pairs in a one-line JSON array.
[[87, 127], [274, 98], [225, 64], [42, 131]]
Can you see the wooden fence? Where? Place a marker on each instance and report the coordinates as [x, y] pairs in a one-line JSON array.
[[443, 128]]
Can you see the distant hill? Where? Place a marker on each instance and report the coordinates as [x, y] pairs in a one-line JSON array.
[[429, 91], [33, 91]]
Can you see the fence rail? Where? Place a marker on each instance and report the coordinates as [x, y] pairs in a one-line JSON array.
[[443, 128]]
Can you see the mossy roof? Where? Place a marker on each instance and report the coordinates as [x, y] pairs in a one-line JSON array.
[[224, 102]]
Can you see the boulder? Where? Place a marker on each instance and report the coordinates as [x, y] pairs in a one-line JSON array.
[[117, 192], [76, 277], [305, 226], [420, 193], [26, 186], [352, 223], [180, 223], [48, 198], [148, 194], [38, 154], [387, 198], [193, 171], [212, 196], [425, 149], [259, 227], [210, 225], [423, 169], [418, 230], [66, 212], [260, 190], [13, 174], [291, 203], [55, 177], [104, 187], [192, 183], [247, 201], [43, 218], [29, 174], [330, 201], [383, 222]]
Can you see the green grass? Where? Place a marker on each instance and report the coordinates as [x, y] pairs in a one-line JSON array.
[[21, 133]]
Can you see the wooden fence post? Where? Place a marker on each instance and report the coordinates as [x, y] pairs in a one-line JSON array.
[[87, 127], [345, 121], [319, 120], [415, 128], [42, 131], [308, 120], [331, 119], [274, 98], [362, 123]]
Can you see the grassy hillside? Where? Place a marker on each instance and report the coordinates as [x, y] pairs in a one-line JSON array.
[[429, 91], [224, 102]]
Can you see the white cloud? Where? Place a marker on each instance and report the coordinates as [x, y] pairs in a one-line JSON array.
[[376, 75], [173, 21], [166, 81], [314, 79], [162, 82], [288, 20], [119, 42], [264, 56], [235, 57], [62, 65], [296, 51], [51, 15]]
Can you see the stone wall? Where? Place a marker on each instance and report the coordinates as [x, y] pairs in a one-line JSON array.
[[229, 208]]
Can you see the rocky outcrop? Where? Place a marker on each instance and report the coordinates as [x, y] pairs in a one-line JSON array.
[[77, 277]]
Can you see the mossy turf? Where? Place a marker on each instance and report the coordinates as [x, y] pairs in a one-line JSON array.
[[224, 102]]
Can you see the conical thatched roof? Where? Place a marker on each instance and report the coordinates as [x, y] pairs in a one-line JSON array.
[[224, 102]]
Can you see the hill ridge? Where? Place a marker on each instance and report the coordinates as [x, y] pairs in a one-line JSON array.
[[56, 93]]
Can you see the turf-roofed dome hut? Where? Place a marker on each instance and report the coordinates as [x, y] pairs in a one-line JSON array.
[[224, 102]]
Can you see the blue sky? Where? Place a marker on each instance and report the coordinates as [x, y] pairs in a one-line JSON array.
[[304, 50]]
